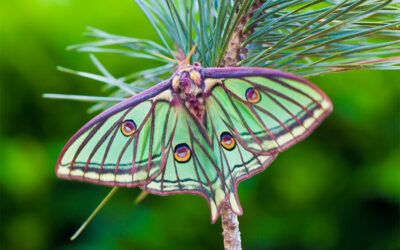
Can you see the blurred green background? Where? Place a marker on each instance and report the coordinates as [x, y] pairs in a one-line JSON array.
[[339, 189]]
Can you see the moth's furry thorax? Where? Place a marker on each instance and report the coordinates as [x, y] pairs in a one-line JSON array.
[[187, 84]]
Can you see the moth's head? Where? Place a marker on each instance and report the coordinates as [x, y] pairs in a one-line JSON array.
[[187, 77]]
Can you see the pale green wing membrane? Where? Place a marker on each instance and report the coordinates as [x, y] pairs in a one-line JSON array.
[[126, 148]]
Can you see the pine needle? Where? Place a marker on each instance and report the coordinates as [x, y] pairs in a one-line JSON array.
[[98, 208], [140, 197]]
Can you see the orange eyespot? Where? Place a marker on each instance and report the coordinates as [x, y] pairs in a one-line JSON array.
[[227, 141], [253, 95], [128, 127], [182, 153]]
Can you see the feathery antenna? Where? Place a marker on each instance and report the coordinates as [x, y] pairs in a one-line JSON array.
[[190, 54], [167, 58], [186, 60]]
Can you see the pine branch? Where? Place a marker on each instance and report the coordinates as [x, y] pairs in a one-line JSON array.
[[238, 37], [305, 37]]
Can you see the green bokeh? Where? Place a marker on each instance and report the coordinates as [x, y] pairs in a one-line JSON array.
[[339, 189]]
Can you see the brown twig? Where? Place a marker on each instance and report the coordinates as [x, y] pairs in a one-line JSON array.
[[230, 225], [235, 52], [233, 55]]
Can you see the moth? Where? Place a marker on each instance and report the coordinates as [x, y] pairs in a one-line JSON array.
[[201, 132]]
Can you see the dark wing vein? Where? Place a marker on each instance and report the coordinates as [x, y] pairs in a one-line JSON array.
[[106, 152], [284, 96], [87, 138], [230, 126], [245, 123], [255, 114]]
